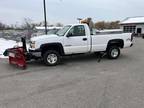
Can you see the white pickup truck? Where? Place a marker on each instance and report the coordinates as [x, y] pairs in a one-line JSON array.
[[77, 39]]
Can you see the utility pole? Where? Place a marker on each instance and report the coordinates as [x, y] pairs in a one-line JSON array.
[[45, 17]]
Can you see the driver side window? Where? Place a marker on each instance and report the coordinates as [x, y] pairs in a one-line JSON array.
[[77, 31]]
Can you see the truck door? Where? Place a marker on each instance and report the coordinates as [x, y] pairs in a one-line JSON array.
[[76, 40]]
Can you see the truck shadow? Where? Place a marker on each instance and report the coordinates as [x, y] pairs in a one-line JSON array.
[[68, 60], [82, 58], [77, 59]]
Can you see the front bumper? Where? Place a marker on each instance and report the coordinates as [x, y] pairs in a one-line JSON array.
[[36, 52]]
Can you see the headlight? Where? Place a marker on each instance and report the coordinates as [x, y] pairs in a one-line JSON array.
[[32, 44]]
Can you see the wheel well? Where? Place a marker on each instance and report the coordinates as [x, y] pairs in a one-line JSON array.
[[53, 46], [116, 42]]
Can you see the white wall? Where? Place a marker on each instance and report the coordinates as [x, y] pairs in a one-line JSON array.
[[137, 26], [121, 27]]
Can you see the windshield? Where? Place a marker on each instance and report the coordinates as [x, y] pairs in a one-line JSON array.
[[62, 31]]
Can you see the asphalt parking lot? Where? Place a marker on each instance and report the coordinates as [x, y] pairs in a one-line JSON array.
[[80, 82]]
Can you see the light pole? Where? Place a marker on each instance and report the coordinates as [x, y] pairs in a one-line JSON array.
[[45, 17]]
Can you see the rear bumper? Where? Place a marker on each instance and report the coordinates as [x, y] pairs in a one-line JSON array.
[[128, 44]]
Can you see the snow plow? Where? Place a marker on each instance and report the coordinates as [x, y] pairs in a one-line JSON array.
[[18, 55]]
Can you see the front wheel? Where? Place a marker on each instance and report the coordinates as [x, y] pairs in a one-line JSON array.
[[51, 58], [113, 52]]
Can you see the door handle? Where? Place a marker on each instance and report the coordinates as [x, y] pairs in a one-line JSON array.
[[84, 39]]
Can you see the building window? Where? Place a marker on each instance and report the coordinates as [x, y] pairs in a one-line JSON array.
[[129, 29]]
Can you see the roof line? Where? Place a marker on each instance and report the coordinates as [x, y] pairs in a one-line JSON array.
[[130, 17]]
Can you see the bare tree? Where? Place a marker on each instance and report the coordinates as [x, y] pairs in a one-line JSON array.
[[2, 26], [29, 26], [100, 25], [107, 25], [59, 24]]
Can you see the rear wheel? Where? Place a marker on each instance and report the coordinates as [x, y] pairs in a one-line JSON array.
[[113, 52], [51, 58]]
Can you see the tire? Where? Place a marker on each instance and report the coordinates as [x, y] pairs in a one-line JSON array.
[[113, 52], [51, 58]]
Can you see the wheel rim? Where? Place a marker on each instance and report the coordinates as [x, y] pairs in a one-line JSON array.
[[114, 53], [52, 58]]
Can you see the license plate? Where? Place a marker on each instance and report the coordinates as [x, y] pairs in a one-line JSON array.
[[11, 54]]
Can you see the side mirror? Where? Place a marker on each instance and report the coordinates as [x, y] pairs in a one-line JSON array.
[[69, 35]]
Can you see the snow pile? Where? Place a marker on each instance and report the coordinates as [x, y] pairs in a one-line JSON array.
[[5, 44]]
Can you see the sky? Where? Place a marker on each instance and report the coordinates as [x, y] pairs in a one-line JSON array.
[[67, 11]]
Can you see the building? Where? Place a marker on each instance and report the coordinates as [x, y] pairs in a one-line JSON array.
[[133, 25]]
